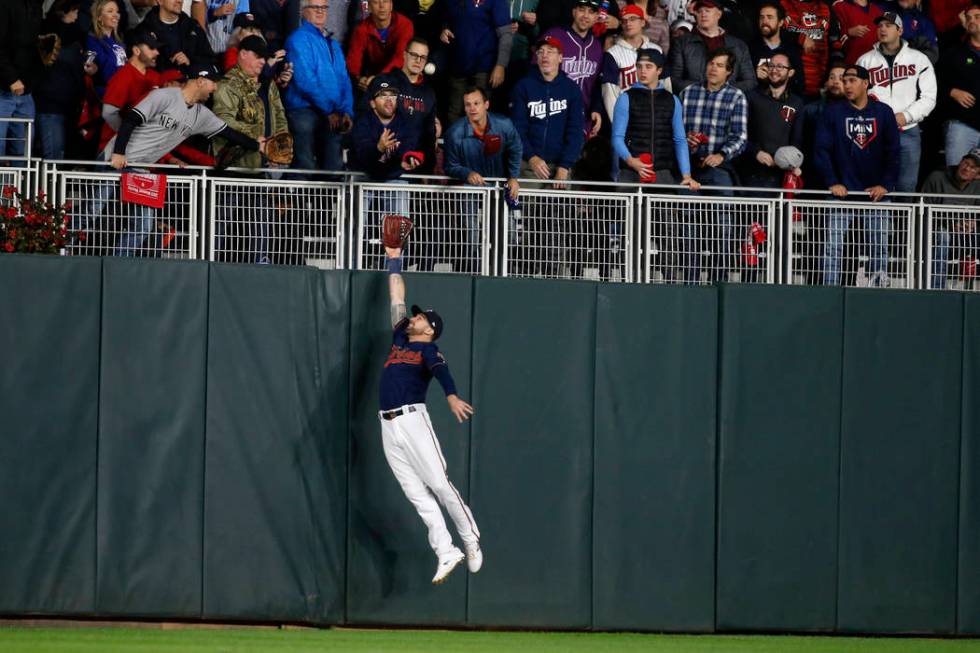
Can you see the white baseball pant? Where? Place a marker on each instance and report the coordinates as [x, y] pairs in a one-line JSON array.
[[415, 457]]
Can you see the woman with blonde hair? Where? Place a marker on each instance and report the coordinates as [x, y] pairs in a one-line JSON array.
[[106, 54]]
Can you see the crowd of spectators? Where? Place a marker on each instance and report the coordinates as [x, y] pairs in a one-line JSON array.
[[875, 95]]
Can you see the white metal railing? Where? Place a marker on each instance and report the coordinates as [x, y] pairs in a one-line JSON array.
[[695, 240], [452, 226], [561, 234], [851, 244], [277, 221], [666, 236], [951, 248]]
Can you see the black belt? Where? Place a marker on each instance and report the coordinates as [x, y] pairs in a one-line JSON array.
[[398, 412]]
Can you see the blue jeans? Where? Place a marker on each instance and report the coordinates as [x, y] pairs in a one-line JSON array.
[[960, 139], [315, 145], [877, 224], [142, 218], [14, 135], [51, 133], [910, 141], [717, 229], [387, 202]]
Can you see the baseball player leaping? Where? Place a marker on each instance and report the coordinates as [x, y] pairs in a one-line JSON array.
[[410, 443]]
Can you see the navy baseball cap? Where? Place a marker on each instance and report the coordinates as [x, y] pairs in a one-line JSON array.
[[379, 86], [204, 71], [654, 56], [589, 3], [246, 20], [136, 37], [434, 320], [256, 45], [855, 70]]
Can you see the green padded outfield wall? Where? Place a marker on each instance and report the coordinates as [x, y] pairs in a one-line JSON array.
[[192, 440], [151, 435], [779, 429], [655, 409], [968, 621], [900, 448], [49, 411], [531, 452], [276, 448]]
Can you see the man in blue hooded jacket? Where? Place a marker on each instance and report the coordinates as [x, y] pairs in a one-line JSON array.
[[319, 102], [546, 108]]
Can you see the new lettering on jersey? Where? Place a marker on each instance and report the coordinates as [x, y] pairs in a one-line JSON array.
[[861, 131]]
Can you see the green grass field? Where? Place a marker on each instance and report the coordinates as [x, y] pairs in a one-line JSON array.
[[235, 640]]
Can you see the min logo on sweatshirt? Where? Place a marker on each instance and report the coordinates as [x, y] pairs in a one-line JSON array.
[[861, 131]]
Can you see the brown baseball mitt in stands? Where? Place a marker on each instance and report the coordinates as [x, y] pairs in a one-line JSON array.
[[395, 230], [279, 148]]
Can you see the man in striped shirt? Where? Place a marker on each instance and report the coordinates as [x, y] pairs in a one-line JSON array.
[[715, 119]]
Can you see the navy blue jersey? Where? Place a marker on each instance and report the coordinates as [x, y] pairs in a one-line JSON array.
[[409, 368]]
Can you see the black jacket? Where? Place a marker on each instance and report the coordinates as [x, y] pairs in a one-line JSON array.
[[185, 36], [20, 24], [60, 87]]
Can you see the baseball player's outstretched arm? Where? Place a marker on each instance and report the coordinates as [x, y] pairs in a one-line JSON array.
[[396, 285]]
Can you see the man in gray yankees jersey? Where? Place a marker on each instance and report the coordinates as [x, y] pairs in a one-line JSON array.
[[159, 123]]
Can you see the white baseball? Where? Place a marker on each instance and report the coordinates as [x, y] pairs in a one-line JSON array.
[[430, 69]]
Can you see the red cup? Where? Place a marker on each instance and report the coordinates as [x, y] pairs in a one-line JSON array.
[[701, 138], [758, 233], [750, 254], [968, 267], [647, 160]]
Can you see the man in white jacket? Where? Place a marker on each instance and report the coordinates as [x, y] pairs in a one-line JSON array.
[[905, 80]]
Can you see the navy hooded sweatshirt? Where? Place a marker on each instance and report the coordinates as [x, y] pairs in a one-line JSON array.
[[858, 148], [549, 117]]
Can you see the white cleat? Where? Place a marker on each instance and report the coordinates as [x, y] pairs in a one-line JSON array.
[[447, 565], [474, 557]]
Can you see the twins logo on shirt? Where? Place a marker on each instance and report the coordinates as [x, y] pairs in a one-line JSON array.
[[861, 131], [787, 113], [542, 110]]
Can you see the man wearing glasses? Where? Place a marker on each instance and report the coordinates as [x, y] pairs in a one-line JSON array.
[[319, 101], [417, 100], [775, 120]]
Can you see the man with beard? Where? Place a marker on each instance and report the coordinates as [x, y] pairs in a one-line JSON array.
[[772, 40], [688, 57], [816, 29], [833, 91], [417, 100], [960, 88], [775, 120], [582, 58]]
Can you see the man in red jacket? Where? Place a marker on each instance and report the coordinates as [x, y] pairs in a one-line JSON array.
[[818, 33], [857, 26], [377, 44]]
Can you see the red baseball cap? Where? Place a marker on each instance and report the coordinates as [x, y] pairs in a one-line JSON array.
[[550, 41], [706, 3], [633, 10]]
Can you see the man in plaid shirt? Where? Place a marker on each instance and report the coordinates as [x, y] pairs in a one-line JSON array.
[[715, 118]]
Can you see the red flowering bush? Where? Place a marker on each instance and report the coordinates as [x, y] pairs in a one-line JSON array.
[[33, 225]]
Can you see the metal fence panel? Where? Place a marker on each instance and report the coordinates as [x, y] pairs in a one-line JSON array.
[[952, 247], [112, 227], [854, 244], [699, 240], [451, 233], [278, 222], [560, 234]]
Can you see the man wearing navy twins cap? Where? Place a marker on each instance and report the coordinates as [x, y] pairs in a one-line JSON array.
[[410, 444]]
